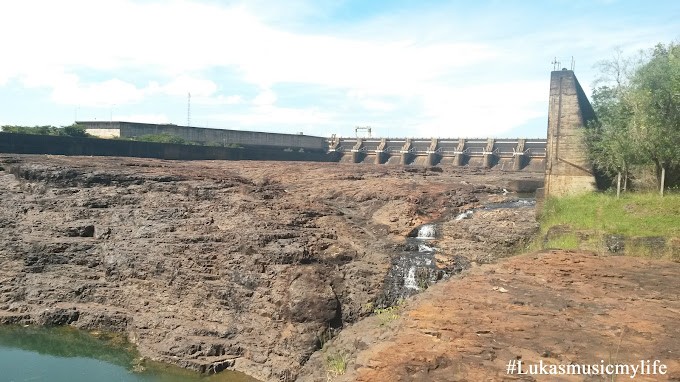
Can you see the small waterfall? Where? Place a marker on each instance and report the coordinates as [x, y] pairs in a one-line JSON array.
[[464, 215], [410, 279], [427, 231], [414, 269]]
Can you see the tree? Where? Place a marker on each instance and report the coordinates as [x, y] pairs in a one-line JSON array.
[[638, 111], [612, 148], [34, 130], [75, 130], [162, 138], [656, 87]]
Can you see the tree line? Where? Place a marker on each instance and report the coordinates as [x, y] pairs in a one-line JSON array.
[[73, 130], [637, 104], [76, 130]]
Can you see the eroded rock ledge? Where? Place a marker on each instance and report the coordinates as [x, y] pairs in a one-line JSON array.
[[214, 265]]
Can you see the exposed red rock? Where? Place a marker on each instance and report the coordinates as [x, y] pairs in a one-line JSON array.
[[555, 307]]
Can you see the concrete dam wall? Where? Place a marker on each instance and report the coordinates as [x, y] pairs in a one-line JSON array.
[[58, 145], [503, 154], [222, 137]]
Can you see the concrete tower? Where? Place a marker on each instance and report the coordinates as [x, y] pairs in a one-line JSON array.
[[568, 170]]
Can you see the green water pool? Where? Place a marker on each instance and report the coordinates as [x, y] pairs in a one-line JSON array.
[[63, 354]]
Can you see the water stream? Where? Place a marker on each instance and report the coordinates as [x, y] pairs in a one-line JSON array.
[[516, 203], [414, 268]]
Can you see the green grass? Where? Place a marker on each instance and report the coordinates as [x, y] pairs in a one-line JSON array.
[[336, 364], [631, 215], [387, 315], [582, 222], [565, 241]]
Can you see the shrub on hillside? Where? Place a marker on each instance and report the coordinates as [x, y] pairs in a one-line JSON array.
[[163, 138]]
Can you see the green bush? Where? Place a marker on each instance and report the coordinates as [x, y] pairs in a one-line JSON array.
[[162, 138], [74, 130]]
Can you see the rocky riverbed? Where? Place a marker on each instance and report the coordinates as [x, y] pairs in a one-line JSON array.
[[245, 265], [558, 308]]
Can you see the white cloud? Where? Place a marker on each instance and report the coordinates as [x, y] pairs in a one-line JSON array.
[[377, 105], [182, 85], [479, 110], [265, 98], [370, 103], [272, 115], [68, 89], [426, 62], [182, 36], [217, 100], [98, 94]]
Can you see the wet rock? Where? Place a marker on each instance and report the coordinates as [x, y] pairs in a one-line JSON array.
[[457, 264], [97, 203], [57, 316], [105, 235], [655, 245], [103, 319], [615, 243], [525, 185], [82, 231], [310, 299]]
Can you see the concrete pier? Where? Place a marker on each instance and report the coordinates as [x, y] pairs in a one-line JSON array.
[[380, 154], [568, 169], [518, 156], [357, 155], [489, 153], [432, 155], [406, 153]]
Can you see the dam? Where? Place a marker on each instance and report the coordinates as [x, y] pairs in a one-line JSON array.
[[562, 156], [505, 154]]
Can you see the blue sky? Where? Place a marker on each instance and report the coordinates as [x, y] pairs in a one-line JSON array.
[[405, 68]]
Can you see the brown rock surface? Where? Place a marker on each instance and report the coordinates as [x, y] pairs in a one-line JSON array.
[[209, 264], [556, 307]]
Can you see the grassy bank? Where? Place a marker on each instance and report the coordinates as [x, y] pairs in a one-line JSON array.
[[637, 224]]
